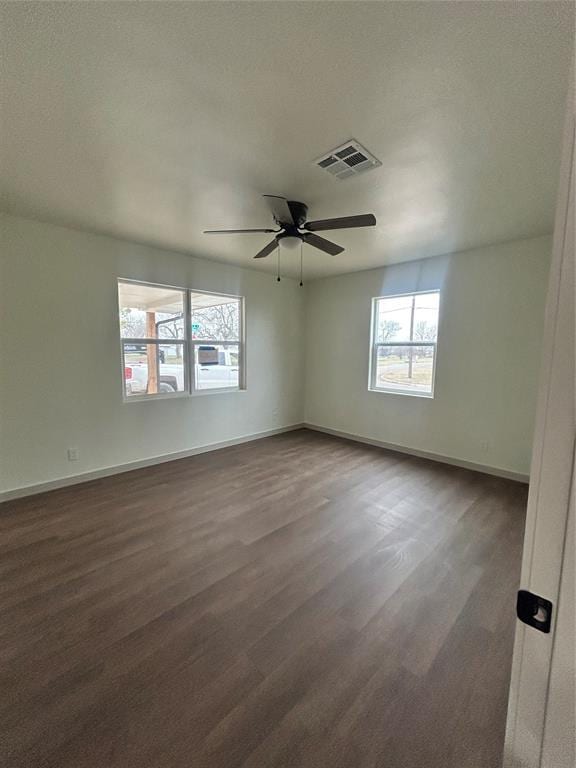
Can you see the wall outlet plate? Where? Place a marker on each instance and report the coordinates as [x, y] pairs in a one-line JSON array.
[[73, 454]]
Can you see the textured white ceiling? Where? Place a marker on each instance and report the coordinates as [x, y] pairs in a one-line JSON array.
[[153, 121]]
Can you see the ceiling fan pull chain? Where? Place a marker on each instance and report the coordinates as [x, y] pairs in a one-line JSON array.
[[278, 278], [301, 263]]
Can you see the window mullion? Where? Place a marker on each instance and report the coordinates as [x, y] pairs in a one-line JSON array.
[[405, 344], [187, 336]]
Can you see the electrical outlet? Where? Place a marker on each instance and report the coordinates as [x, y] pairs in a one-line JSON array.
[[484, 445], [73, 454]]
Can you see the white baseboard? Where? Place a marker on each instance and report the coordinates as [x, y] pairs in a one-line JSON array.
[[487, 470], [31, 490]]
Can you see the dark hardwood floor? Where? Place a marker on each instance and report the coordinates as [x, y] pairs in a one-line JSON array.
[[300, 601]]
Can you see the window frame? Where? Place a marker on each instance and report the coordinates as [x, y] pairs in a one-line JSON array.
[[158, 395], [188, 345], [375, 345], [194, 342]]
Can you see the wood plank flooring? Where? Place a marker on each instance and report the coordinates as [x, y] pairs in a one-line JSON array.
[[300, 601]]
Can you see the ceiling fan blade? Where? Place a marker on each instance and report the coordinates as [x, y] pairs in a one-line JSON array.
[[267, 250], [343, 222], [322, 244], [236, 231], [280, 209]]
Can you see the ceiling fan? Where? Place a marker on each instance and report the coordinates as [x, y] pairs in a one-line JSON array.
[[291, 218]]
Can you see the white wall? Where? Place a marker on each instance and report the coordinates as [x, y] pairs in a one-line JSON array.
[[60, 372], [491, 323]]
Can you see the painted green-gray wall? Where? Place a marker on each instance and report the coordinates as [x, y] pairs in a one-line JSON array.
[[489, 342], [307, 355], [60, 372]]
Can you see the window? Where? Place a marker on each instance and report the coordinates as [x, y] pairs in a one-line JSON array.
[[153, 339], [216, 332], [176, 342], [404, 336]]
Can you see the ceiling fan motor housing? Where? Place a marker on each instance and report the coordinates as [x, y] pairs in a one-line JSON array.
[[299, 213]]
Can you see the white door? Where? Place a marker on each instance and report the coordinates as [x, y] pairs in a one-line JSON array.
[[558, 748], [539, 713]]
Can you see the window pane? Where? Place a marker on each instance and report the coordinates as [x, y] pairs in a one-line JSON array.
[[151, 369], [150, 312], [215, 317], [393, 319], [426, 317], [216, 366], [405, 369]]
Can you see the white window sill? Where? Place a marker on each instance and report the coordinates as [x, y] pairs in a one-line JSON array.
[[179, 395], [425, 395], [216, 391], [148, 398]]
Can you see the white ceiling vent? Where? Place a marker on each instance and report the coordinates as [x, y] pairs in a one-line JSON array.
[[347, 160]]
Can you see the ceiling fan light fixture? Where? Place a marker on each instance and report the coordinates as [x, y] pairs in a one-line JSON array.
[[290, 242]]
